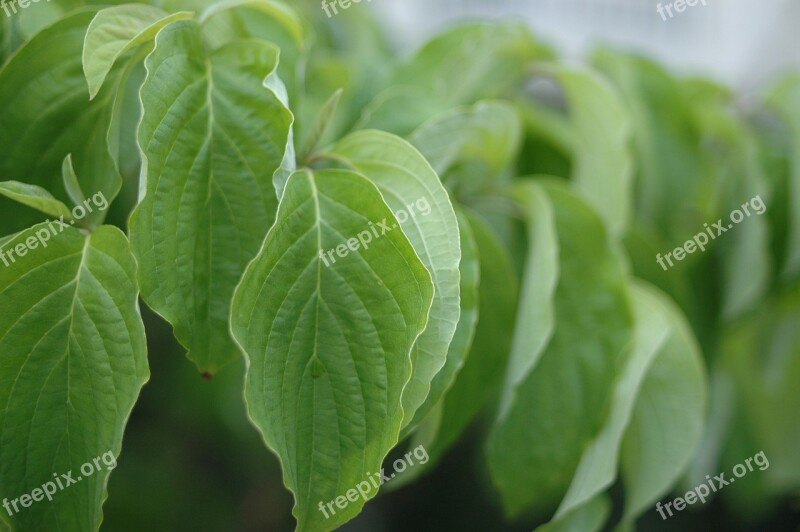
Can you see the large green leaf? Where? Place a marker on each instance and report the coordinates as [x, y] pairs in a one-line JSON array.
[[46, 115], [667, 419], [328, 338], [535, 448], [211, 137], [72, 362], [416, 196], [115, 30]]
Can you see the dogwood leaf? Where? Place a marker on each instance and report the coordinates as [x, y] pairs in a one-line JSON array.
[[424, 212], [211, 137], [72, 362], [328, 338]]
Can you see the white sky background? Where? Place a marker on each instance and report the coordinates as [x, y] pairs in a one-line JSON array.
[[743, 43]]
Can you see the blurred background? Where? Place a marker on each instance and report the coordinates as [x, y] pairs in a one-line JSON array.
[[743, 43], [192, 461]]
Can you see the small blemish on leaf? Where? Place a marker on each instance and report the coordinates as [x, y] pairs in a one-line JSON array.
[[317, 367], [206, 375]]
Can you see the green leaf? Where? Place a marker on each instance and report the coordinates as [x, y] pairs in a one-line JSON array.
[[486, 135], [211, 137], [588, 517], [73, 359], [114, 31], [667, 419], [745, 255], [472, 61], [71, 183], [598, 466], [414, 193], [469, 269], [561, 405], [483, 370], [602, 161], [400, 109], [286, 16], [320, 125], [785, 98], [273, 21], [48, 69], [34, 197], [460, 66], [328, 340], [670, 179], [540, 278], [762, 355]]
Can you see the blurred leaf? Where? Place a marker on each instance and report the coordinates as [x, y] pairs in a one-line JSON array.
[[667, 419], [598, 467], [667, 144], [589, 517], [561, 405], [536, 300], [483, 370], [762, 354], [460, 66], [785, 98], [321, 123], [472, 61], [400, 110], [740, 179], [48, 69], [486, 135], [328, 347], [602, 160]]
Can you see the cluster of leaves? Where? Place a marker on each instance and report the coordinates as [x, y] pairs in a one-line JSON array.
[[240, 140]]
